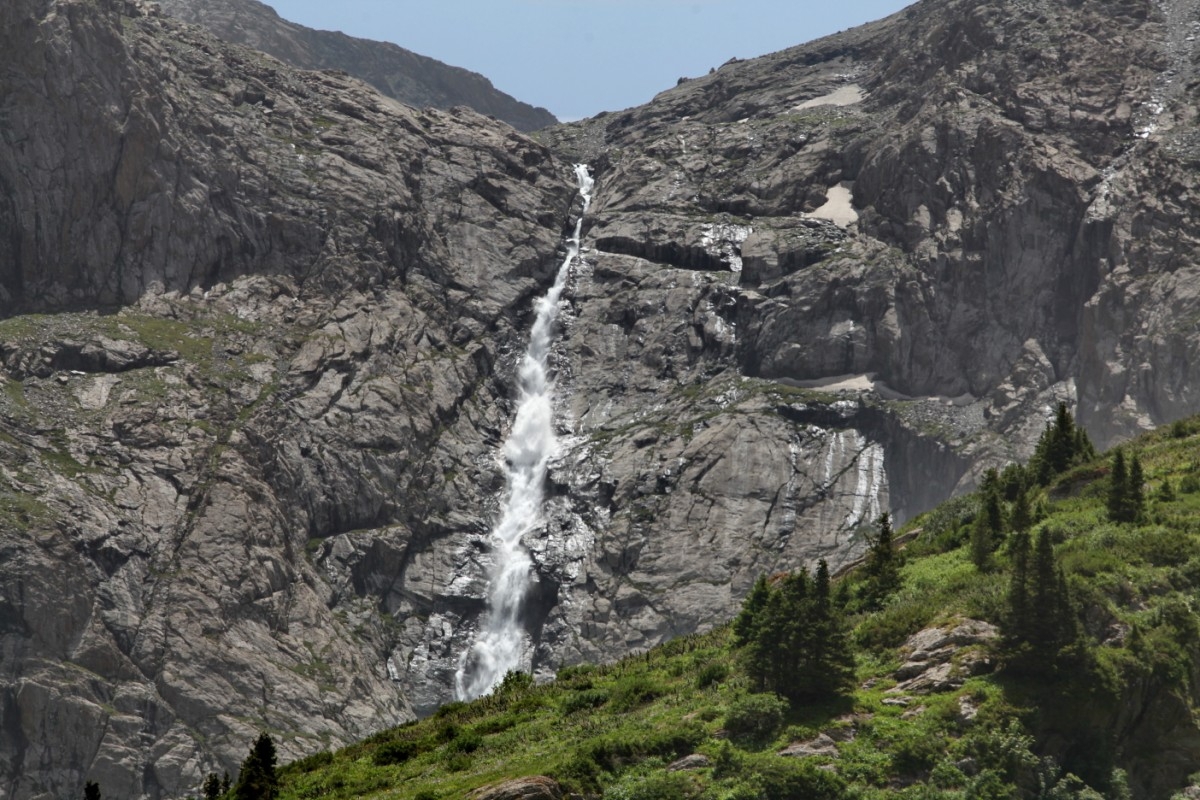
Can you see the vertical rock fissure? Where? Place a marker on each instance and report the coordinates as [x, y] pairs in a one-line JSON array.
[[501, 644]]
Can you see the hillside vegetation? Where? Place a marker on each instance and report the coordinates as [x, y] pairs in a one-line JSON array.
[[1082, 688]]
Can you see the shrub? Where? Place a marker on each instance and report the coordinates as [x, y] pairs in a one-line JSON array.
[[457, 762], [467, 742], [586, 699], [917, 753], [892, 626], [580, 772], [514, 683], [395, 752], [656, 786], [755, 716], [310, 763], [449, 709], [634, 692], [712, 673], [498, 723], [787, 779]]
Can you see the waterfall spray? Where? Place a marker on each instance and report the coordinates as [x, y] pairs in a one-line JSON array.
[[501, 643]]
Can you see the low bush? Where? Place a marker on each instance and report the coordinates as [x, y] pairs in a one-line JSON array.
[[581, 700], [656, 786], [467, 742], [755, 716], [310, 763], [893, 625], [789, 779], [633, 692], [396, 752], [712, 674]]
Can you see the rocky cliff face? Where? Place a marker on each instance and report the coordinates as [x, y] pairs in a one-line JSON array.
[[261, 327], [402, 74]]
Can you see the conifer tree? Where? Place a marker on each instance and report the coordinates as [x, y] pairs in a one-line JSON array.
[[1084, 449], [1118, 487], [882, 569], [992, 507], [1017, 621], [1043, 595], [796, 644], [1135, 494], [1022, 516], [1040, 623], [752, 606], [91, 791], [981, 543], [257, 780], [826, 660], [226, 784], [212, 787], [1062, 445]]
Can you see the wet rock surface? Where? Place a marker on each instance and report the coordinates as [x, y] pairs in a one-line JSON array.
[[261, 326]]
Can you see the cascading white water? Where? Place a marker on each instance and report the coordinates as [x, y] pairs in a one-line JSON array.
[[501, 643]]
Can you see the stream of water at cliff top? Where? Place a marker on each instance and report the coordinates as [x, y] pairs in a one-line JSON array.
[[502, 641]]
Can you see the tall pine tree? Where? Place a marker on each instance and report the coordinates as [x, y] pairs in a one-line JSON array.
[[882, 569], [752, 606], [1063, 445], [1039, 624], [795, 643], [1118, 489], [1136, 493], [212, 787], [257, 780]]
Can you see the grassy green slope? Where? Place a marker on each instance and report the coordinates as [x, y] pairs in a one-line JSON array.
[[1120, 719]]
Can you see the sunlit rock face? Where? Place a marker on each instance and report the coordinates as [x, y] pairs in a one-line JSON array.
[[252, 442], [398, 73]]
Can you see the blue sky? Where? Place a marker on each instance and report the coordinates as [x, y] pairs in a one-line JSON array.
[[579, 58]]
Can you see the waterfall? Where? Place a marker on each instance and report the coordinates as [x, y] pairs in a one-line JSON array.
[[501, 643]]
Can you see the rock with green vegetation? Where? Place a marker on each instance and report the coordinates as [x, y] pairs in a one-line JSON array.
[[259, 338], [1115, 720]]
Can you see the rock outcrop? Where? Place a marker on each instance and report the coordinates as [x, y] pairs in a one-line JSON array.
[[261, 326], [535, 788], [398, 73]]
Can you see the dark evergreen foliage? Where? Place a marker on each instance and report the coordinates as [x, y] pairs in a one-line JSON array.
[[257, 780], [882, 568], [1118, 503], [1137, 490], [1126, 489], [795, 643], [91, 791], [752, 606], [212, 787], [1040, 624], [992, 507], [1017, 622], [1063, 445], [1021, 519], [982, 543]]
